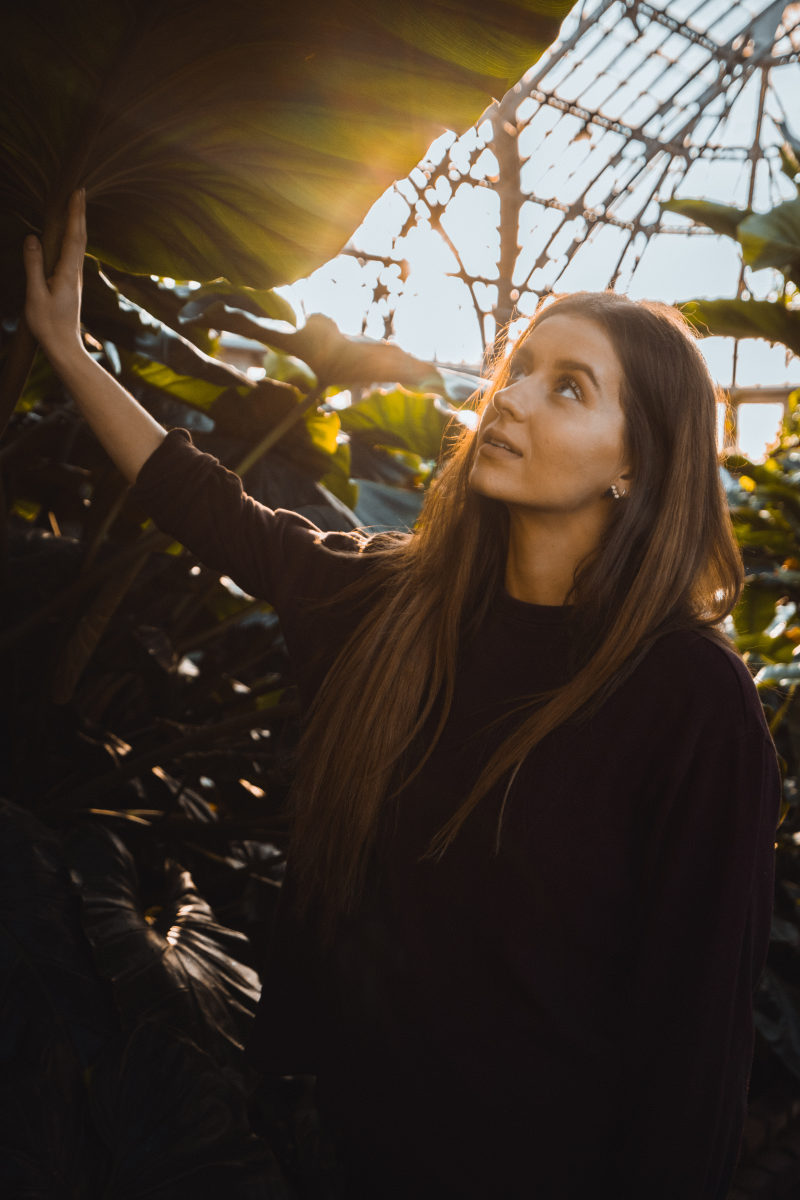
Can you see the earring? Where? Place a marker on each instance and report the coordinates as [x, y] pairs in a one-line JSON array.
[[613, 492]]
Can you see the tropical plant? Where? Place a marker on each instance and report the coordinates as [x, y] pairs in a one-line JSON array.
[[765, 507], [148, 704], [769, 239], [244, 140], [148, 712]]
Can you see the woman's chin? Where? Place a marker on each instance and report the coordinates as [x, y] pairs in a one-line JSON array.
[[484, 480]]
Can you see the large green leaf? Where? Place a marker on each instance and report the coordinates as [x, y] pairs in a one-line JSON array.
[[745, 318], [409, 420], [261, 302], [772, 239], [244, 139], [722, 218], [755, 610], [168, 365]]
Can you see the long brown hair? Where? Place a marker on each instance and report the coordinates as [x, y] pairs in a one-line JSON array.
[[667, 561]]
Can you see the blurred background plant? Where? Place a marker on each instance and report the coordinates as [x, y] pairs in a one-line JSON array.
[[764, 498]]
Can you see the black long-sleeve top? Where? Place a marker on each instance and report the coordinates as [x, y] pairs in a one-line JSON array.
[[568, 1016]]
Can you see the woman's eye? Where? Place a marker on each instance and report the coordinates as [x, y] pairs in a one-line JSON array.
[[569, 386]]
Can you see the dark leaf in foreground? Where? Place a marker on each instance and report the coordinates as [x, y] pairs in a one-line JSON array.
[[777, 1020], [174, 1126], [45, 1150], [50, 987], [166, 956]]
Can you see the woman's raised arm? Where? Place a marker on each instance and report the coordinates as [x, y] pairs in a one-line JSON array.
[[52, 309]]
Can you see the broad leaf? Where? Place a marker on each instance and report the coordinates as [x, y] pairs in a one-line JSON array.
[[49, 981], [238, 407], [755, 610], [265, 303], [143, 320], [288, 369], [745, 318], [409, 420], [164, 953], [382, 507], [44, 1150], [174, 1126], [160, 345], [309, 443], [722, 218], [150, 295], [777, 1018], [337, 479], [772, 239], [781, 675], [245, 139]]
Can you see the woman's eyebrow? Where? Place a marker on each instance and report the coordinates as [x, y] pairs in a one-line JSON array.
[[572, 364], [524, 356]]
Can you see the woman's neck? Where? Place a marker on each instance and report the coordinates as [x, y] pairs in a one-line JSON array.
[[545, 550]]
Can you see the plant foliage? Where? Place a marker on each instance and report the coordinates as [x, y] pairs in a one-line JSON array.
[[765, 508], [148, 713]]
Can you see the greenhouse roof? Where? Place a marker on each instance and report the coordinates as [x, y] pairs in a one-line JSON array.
[[560, 185]]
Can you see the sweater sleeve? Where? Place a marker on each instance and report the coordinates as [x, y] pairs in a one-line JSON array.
[[709, 871], [274, 555]]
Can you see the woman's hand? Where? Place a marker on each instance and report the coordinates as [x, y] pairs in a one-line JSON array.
[[53, 311], [53, 306]]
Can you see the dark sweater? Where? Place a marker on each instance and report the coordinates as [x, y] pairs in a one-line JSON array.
[[570, 1016]]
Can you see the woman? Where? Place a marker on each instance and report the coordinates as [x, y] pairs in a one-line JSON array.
[[531, 874]]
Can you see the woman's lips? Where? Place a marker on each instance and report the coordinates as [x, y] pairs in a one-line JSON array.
[[494, 444]]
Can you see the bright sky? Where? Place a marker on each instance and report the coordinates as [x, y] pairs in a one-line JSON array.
[[625, 74]]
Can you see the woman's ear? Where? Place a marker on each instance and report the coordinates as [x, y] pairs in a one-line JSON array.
[[621, 486]]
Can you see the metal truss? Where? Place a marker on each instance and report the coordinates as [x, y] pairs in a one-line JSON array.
[[634, 104]]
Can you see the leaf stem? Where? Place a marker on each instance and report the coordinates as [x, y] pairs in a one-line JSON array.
[[278, 431], [199, 737]]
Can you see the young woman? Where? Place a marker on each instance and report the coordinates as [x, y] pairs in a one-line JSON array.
[[531, 876]]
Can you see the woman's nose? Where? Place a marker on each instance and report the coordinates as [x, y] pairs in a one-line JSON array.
[[508, 400]]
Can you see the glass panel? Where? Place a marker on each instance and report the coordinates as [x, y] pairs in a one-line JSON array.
[[758, 426]]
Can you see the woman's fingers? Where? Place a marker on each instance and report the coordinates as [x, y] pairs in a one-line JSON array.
[[52, 306], [73, 247], [32, 260]]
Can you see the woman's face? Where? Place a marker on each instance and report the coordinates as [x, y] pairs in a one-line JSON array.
[[553, 439]]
